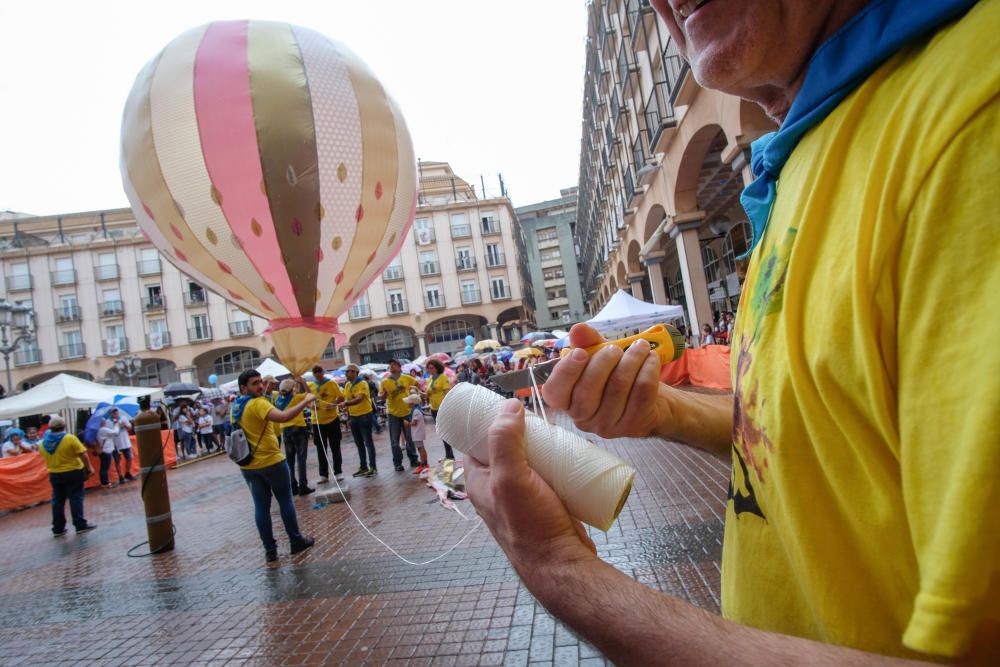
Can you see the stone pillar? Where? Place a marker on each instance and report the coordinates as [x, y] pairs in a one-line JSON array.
[[422, 344], [685, 235], [495, 330], [346, 351], [635, 281], [654, 267]]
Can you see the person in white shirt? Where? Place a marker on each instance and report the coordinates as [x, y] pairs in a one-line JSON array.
[[186, 421], [205, 431], [15, 444], [220, 415], [123, 446], [107, 436]]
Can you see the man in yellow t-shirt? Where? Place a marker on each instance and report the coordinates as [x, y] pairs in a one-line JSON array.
[[326, 424], [295, 434], [394, 388], [357, 398], [267, 473], [864, 437], [69, 467]]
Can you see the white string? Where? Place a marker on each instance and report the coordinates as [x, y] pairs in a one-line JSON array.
[[536, 396], [398, 555]]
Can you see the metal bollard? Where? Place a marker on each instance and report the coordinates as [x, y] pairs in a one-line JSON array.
[[153, 473]]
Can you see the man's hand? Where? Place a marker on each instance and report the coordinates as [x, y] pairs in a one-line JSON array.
[[613, 394], [309, 398], [524, 514]]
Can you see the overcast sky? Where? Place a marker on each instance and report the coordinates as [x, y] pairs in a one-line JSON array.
[[489, 86]]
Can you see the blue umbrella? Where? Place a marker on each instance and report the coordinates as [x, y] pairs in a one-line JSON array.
[[561, 343], [127, 404]]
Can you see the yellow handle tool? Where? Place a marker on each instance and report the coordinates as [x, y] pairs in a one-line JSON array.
[[664, 339]]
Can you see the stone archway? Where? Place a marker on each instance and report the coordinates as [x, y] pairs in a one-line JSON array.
[[154, 373], [448, 334], [380, 344], [226, 363]]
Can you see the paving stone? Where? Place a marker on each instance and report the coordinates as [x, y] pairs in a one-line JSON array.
[[213, 600]]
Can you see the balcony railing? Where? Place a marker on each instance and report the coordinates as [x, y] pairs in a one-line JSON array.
[[111, 308], [424, 235], [151, 303], [490, 227], [19, 282], [360, 311], [196, 298], [629, 185], [27, 356], [199, 334], [471, 296], [148, 267], [461, 231], [106, 272], [430, 268], [158, 340], [71, 351], [465, 263], [68, 314], [396, 306], [392, 273], [115, 346], [500, 292], [63, 277], [240, 328], [434, 302], [493, 260]]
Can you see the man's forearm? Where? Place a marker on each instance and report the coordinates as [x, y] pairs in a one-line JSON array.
[[632, 624], [700, 420]]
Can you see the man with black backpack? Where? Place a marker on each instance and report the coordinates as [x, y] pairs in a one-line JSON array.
[[267, 473]]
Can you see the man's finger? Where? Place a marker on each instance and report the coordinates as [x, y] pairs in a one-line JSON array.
[[589, 390], [619, 385], [558, 390], [506, 441], [584, 335]]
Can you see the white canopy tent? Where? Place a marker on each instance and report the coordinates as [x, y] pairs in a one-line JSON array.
[[623, 311], [267, 367], [66, 392]]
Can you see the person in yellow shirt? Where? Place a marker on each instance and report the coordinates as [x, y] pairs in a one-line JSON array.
[[326, 424], [394, 388], [358, 399], [295, 433], [864, 440], [438, 387], [267, 473], [69, 467]]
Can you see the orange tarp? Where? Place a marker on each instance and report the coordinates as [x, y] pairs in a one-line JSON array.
[[706, 366], [24, 479]]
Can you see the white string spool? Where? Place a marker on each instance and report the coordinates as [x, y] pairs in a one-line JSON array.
[[591, 482]]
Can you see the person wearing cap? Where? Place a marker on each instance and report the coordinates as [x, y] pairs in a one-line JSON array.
[[267, 474], [326, 424], [69, 467], [295, 434], [395, 387], [357, 397]]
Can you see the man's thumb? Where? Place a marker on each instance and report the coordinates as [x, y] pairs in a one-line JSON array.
[[506, 438], [584, 335]]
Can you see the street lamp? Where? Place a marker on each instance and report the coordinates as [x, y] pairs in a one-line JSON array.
[[129, 366], [17, 325]]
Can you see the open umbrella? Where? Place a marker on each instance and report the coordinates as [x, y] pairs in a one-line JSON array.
[[548, 342], [419, 361], [213, 392], [526, 352], [562, 342], [181, 389], [536, 335], [488, 345], [443, 357], [409, 368]]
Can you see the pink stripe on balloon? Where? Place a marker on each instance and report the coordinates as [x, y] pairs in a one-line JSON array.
[[224, 107]]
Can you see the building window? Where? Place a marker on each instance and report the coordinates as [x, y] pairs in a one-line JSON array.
[[553, 274], [200, 328], [423, 230], [447, 331], [547, 234], [548, 254], [234, 363], [711, 262], [432, 296], [396, 302], [499, 289], [470, 292], [460, 226], [555, 293], [330, 351], [736, 243], [385, 340]]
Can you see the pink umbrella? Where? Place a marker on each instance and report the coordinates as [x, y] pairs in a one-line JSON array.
[[443, 357]]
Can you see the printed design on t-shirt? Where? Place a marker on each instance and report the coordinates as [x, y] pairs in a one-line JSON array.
[[751, 445], [766, 284]]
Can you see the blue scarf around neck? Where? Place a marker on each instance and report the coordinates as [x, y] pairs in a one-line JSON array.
[[840, 65], [52, 440]]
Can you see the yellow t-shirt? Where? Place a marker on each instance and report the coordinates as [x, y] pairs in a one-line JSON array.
[[326, 410], [359, 386], [66, 458], [299, 419], [260, 434], [437, 387], [395, 391], [867, 428]]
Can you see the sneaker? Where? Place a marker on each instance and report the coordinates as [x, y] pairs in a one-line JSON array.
[[271, 556], [339, 477], [324, 480], [129, 477], [306, 542], [362, 472], [371, 472], [305, 490], [58, 533], [420, 468], [399, 468], [89, 526]]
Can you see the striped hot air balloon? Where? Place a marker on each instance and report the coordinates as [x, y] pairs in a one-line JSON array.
[[267, 162]]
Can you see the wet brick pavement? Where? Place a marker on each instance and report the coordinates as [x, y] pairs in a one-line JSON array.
[[213, 601]]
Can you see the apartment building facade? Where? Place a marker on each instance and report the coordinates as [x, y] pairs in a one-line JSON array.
[[551, 259], [662, 164], [100, 291]]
